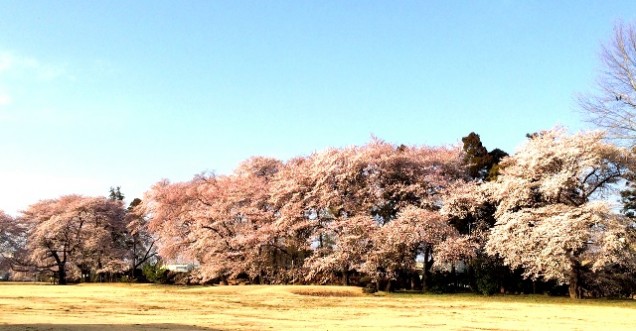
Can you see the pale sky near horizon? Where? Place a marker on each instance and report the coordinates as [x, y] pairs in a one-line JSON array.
[[96, 94]]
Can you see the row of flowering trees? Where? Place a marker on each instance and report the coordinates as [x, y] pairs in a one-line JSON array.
[[362, 214], [375, 210], [368, 210]]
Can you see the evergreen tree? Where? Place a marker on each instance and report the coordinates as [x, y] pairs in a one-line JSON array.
[[482, 164], [115, 194]]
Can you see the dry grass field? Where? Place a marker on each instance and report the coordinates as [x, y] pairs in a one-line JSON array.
[[150, 307]]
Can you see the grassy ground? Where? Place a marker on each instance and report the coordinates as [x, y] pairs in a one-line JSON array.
[[149, 307]]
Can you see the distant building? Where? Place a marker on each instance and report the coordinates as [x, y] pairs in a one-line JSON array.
[[181, 267]]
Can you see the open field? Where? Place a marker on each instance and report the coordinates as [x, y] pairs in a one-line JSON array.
[[151, 307]]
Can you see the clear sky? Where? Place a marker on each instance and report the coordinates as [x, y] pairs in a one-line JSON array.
[[96, 94]]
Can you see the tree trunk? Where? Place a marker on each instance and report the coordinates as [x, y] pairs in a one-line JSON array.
[[574, 287], [426, 269], [575, 280], [424, 276], [134, 258], [470, 272], [61, 267], [61, 274]]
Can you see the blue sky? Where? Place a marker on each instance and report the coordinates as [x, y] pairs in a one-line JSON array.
[[96, 94]]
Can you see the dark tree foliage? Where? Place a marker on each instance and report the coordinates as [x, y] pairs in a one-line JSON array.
[[628, 199], [477, 157], [115, 194], [136, 202], [482, 164], [496, 156]]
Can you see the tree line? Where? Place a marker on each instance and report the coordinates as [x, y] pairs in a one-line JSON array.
[[385, 216]]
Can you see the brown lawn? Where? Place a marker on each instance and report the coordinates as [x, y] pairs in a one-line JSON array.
[[150, 307]]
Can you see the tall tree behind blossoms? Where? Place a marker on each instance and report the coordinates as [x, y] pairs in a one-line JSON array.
[[549, 219], [215, 220], [481, 164], [75, 234]]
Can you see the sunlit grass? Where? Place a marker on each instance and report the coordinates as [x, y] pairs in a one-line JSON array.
[[146, 307]]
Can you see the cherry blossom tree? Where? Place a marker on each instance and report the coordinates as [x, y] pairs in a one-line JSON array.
[[140, 242], [410, 176], [550, 219], [471, 210], [353, 240], [6, 231], [11, 239], [409, 183], [301, 222], [330, 196], [214, 220], [75, 234], [469, 207], [415, 231]]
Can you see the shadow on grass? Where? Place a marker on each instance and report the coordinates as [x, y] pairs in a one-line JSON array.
[[100, 327]]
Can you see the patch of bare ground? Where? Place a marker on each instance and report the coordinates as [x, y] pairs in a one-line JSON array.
[[327, 291]]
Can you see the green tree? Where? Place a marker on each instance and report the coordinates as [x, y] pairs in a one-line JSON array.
[[115, 194], [628, 199], [477, 157], [155, 272], [496, 156], [482, 164]]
